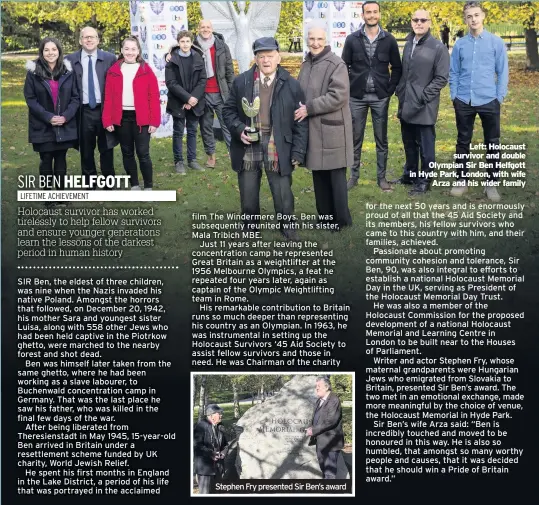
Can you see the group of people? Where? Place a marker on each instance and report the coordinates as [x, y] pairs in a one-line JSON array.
[[211, 445], [91, 99], [477, 72], [317, 120]]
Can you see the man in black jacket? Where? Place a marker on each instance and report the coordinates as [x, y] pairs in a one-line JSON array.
[[283, 141], [326, 429], [211, 448], [90, 65], [370, 53], [185, 77], [220, 75], [425, 72]]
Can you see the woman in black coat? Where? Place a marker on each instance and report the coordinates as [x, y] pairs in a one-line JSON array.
[[52, 97]]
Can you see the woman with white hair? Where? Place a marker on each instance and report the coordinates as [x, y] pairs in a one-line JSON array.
[[324, 80]]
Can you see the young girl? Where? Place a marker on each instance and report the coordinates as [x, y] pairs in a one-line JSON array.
[[132, 109], [52, 97]]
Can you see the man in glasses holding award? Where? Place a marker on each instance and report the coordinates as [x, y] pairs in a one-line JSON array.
[[259, 114]]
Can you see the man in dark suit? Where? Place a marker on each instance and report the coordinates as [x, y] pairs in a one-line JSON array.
[[370, 53], [90, 65], [211, 448], [326, 430]]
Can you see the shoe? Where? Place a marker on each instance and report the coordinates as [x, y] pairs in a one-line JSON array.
[[351, 183], [195, 166], [210, 162], [385, 186], [418, 189], [459, 189], [180, 168], [148, 189], [290, 234], [135, 188], [402, 180], [492, 194]]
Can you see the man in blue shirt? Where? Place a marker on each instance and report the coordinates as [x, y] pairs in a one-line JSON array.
[[478, 78]]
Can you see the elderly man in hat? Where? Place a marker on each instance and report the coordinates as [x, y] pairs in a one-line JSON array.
[[279, 143], [211, 447]]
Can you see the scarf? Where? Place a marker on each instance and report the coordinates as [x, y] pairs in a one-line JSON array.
[[263, 153], [206, 45]]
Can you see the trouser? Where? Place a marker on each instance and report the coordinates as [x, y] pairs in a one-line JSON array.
[[92, 133], [359, 108], [177, 137], [281, 190], [53, 163], [419, 143], [296, 45], [331, 195], [204, 483], [214, 105], [490, 119], [328, 463], [134, 138]]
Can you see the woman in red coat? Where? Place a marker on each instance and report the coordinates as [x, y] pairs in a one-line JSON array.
[[132, 109]]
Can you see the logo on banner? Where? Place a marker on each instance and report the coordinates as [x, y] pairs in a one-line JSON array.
[[143, 33], [174, 31], [145, 56], [309, 6], [165, 118], [159, 36], [134, 6], [339, 5], [356, 15], [159, 63], [354, 27], [339, 24], [157, 7], [338, 45], [176, 8], [134, 29], [177, 17], [322, 5]]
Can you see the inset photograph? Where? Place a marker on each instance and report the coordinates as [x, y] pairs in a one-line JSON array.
[[274, 433]]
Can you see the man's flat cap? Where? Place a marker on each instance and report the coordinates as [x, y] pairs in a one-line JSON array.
[[212, 409], [265, 44]]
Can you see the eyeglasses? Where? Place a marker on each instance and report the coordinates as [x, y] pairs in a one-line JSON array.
[[420, 20], [89, 37]]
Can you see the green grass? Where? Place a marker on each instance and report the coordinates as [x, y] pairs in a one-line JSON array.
[[217, 190]]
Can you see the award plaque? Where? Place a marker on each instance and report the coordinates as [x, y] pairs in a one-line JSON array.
[[251, 110]]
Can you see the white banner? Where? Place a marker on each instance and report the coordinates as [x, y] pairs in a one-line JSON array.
[[340, 20], [156, 25]]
